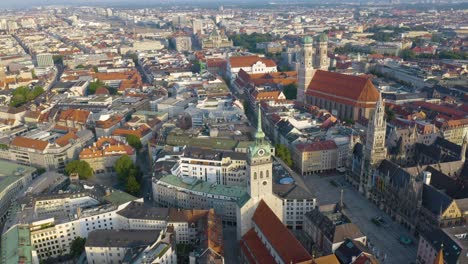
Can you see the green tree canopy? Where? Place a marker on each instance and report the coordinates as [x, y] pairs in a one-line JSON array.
[[77, 246], [290, 91], [123, 167], [134, 141], [128, 174], [250, 41], [132, 186], [284, 154], [93, 86], [81, 167], [23, 94], [58, 59], [407, 54]]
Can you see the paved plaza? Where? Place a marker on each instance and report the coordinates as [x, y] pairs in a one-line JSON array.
[[383, 240]]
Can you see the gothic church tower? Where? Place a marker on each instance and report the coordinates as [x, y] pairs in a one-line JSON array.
[[306, 68], [375, 150], [322, 62]]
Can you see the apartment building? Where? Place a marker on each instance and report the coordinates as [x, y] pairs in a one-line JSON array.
[[54, 224], [329, 227], [46, 149], [14, 179], [250, 64], [188, 193], [111, 246], [215, 167], [315, 157]]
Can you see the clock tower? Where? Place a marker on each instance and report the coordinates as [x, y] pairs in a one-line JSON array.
[[259, 182], [259, 164]]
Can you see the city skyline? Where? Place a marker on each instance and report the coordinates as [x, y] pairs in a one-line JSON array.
[[234, 132]]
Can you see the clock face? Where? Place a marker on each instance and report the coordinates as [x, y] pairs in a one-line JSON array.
[[261, 152]]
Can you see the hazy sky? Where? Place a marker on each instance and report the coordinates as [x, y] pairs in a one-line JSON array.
[[30, 3]]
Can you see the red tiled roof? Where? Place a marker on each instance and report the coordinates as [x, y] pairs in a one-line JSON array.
[[75, 115], [266, 95], [106, 146], [451, 111], [343, 88], [316, 146], [25, 142], [102, 90], [455, 123], [282, 240], [247, 61], [254, 249], [216, 62], [65, 139], [139, 132]]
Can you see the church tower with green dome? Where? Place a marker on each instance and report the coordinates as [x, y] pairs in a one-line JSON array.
[[322, 62], [306, 68], [259, 182], [259, 163]]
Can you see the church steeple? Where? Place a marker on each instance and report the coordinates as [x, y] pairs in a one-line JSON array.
[[260, 149], [379, 113], [374, 151], [259, 135]]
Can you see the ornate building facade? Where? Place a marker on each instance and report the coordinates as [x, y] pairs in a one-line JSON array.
[[216, 40], [374, 151]]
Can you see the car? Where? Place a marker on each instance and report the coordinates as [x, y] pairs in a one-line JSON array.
[[378, 221]]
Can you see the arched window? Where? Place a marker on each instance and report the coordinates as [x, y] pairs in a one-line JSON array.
[[261, 175], [268, 174], [255, 175]]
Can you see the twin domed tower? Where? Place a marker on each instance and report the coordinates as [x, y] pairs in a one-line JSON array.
[[313, 57]]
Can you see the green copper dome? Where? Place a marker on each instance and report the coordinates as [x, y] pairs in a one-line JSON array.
[[307, 40], [323, 37]]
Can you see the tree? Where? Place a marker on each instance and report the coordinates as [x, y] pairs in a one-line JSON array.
[[134, 58], [77, 246], [290, 91], [132, 186], [58, 59], [134, 141], [196, 66], [23, 94], [407, 54], [249, 42], [81, 167], [284, 154], [94, 86], [124, 167]]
